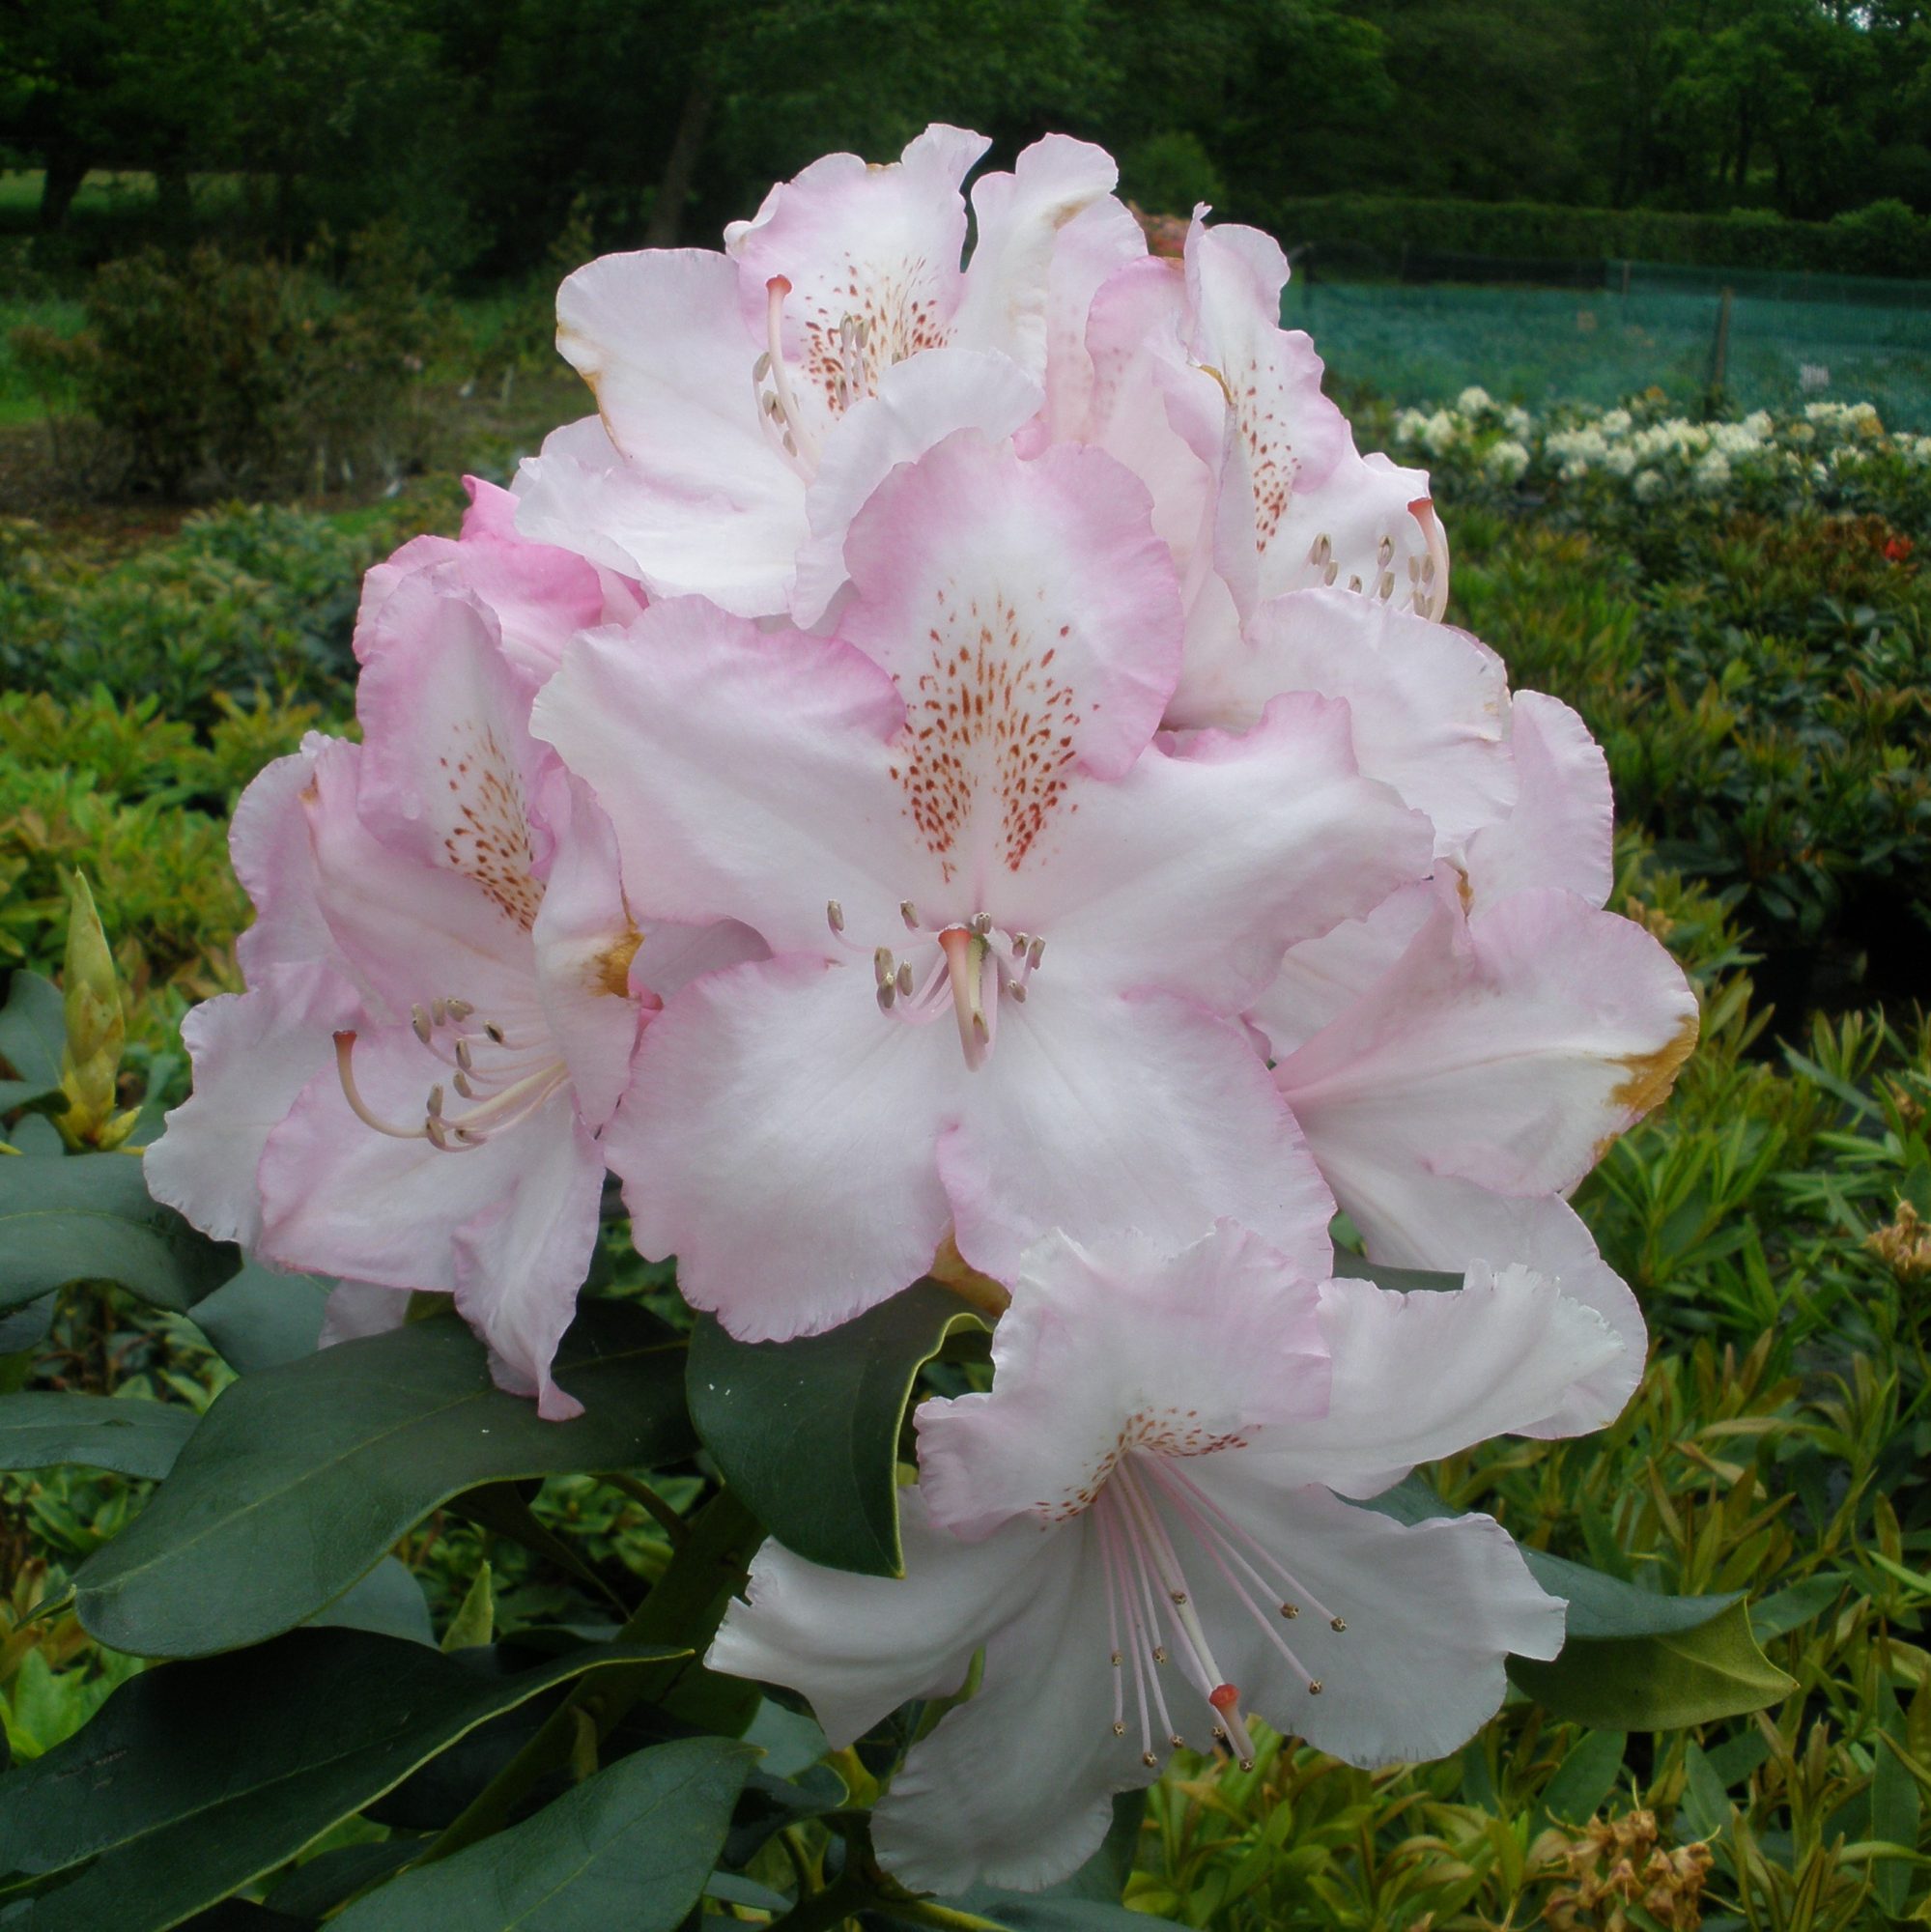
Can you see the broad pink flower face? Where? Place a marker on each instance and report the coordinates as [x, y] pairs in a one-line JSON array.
[[1143, 1526], [1013, 933]]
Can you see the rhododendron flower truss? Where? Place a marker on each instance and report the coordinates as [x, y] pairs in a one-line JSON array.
[[750, 400], [1013, 934], [1142, 1528], [444, 991]]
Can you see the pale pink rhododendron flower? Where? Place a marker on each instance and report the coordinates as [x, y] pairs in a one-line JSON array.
[[1460, 1058], [1013, 933], [749, 401], [1151, 1528], [540, 596], [1258, 489], [444, 989]]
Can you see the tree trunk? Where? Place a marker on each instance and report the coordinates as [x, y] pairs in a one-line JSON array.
[[64, 173], [680, 170]]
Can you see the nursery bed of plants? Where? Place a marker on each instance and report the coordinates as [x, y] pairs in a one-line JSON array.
[[1753, 649]]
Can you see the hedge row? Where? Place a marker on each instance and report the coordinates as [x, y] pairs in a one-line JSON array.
[[1884, 239]]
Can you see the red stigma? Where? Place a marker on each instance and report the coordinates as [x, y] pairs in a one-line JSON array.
[[1223, 1697]]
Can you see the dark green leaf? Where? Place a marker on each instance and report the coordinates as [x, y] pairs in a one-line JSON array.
[[300, 1477], [33, 1032], [1605, 1609], [1663, 1682], [1587, 1776], [734, 1889], [133, 1437], [388, 1601], [806, 1432], [1404, 1281], [89, 1217], [1789, 1608], [200, 1776], [631, 1846], [1599, 1607], [322, 1882], [1704, 1808], [260, 1318], [26, 1328], [1895, 1808]]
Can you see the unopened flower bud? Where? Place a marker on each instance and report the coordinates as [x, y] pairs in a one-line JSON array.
[[97, 1031]]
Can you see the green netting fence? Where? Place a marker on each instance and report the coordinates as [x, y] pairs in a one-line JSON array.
[[1610, 329]]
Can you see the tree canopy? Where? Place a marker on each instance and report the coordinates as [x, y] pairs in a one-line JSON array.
[[488, 120]]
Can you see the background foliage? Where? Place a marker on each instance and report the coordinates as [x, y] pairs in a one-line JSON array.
[[1773, 1218], [484, 122]]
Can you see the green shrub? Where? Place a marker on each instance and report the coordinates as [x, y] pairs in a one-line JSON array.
[[210, 374], [247, 599]]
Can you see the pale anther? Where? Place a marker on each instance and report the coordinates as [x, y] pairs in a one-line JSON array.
[[463, 1059], [439, 1011], [458, 1010], [418, 1023], [1290, 1611], [1313, 1686], [884, 967], [1337, 1623], [460, 1083], [495, 1031], [835, 914], [888, 993], [909, 913], [905, 979]]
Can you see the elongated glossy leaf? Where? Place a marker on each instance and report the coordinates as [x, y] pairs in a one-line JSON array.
[[196, 1777], [1635, 1659], [89, 1217], [40, 1429], [260, 1318], [388, 1601], [1599, 1607], [630, 1847], [1664, 1681], [806, 1432], [300, 1477], [1351, 1268], [32, 1030]]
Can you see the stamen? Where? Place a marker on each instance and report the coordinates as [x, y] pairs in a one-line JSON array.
[[909, 913], [836, 914], [776, 290], [418, 1023], [344, 1047], [458, 1010], [883, 966]]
